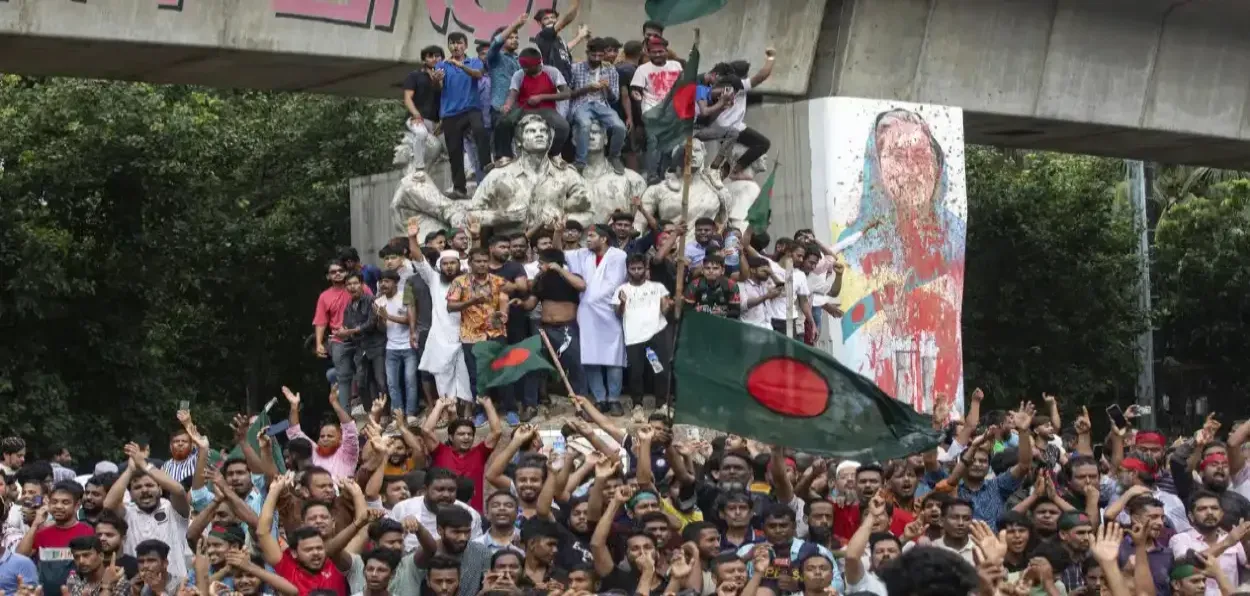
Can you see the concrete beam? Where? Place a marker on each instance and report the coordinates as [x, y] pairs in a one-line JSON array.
[[1161, 80], [350, 47]]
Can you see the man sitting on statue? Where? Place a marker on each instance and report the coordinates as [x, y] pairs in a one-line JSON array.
[[599, 84], [729, 124], [423, 90], [535, 89]]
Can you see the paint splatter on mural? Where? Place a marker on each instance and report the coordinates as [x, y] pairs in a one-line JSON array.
[[901, 183]]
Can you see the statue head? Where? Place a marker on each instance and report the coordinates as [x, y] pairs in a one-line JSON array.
[[598, 140], [534, 136], [697, 156]]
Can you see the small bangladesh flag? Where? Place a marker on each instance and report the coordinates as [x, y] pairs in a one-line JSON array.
[[674, 12], [672, 120], [758, 383], [761, 212], [499, 364]]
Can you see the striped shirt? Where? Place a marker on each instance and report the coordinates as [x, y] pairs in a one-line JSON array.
[[180, 470]]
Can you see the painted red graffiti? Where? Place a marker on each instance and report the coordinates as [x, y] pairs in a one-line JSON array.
[[481, 22], [359, 13]]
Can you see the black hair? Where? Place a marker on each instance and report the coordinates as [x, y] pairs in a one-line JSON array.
[[68, 486], [656, 26], [654, 516], [443, 562], [348, 254], [724, 559], [540, 528], [382, 527], [390, 274], [464, 488], [956, 503], [543, 233], [715, 259], [705, 221], [432, 235], [929, 571], [602, 230], [596, 44], [104, 480], [730, 81], [1012, 518], [110, 517], [691, 532], [870, 468], [505, 552], [301, 534], [388, 557], [435, 474], [538, 16], [152, 547], [1200, 494], [636, 258], [11, 445], [876, 537], [621, 216], [477, 250], [91, 542], [551, 255], [501, 493], [1140, 503], [530, 53], [346, 278], [780, 510], [301, 447], [760, 240], [756, 262], [456, 36], [455, 425], [632, 50], [611, 43], [310, 503], [498, 238], [453, 516], [38, 472], [432, 51], [306, 480], [573, 224]]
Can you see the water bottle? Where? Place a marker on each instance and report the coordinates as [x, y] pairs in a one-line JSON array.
[[732, 255], [655, 361]]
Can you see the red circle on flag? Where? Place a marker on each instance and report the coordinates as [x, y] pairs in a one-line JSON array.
[[512, 357], [788, 387]]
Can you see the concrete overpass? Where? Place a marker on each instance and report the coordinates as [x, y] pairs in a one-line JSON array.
[[1165, 80]]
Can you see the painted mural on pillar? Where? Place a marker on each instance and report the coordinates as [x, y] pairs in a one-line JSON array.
[[899, 197]]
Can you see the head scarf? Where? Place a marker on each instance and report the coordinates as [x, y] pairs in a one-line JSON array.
[[1150, 437], [448, 254], [1214, 458], [1137, 465]]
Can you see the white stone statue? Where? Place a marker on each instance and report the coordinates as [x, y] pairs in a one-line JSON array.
[[419, 192], [708, 195], [609, 191], [744, 189], [531, 190]]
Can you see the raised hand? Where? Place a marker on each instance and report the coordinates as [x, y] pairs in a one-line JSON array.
[[978, 395], [379, 406], [622, 495], [607, 467], [1048, 398], [414, 226], [525, 432], [291, 397], [1023, 417], [760, 558], [239, 424], [1082, 424], [135, 454], [411, 525], [645, 433], [913, 530], [1106, 545], [678, 566], [184, 417], [237, 559], [992, 548]]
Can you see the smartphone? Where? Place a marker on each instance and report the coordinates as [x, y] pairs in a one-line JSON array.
[[184, 405], [278, 428], [1144, 410], [36, 501], [1098, 452], [1117, 416]]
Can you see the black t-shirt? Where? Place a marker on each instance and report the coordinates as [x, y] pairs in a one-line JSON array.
[[627, 581], [518, 318], [550, 285], [426, 95], [555, 52], [129, 564], [625, 72], [665, 273]]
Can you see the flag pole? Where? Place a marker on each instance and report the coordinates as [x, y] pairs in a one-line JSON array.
[[555, 359], [789, 297], [678, 298]]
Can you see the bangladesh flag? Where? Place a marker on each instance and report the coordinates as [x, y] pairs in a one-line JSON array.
[[758, 383], [674, 12], [761, 212], [672, 120], [500, 364]]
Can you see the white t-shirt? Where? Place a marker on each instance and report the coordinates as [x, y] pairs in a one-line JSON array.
[[757, 315], [162, 524], [416, 507], [396, 333], [656, 81], [798, 287], [735, 116], [642, 319], [869, 583]]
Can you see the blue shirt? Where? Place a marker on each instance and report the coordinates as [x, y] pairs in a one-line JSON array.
[[502, 65], [459, 89], [989, 502], [13, 566]]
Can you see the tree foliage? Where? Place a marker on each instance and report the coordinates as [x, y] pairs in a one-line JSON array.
[[160, 244], [1049, 302]]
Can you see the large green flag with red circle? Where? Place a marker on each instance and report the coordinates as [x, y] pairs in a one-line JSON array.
[[757, 383], [500, 364], [672, 120]]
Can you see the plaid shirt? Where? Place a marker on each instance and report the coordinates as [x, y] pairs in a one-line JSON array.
[[583, 76]]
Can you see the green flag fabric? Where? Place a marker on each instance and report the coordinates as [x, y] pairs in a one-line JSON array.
[[262, 420], [758, 383], [761, 212], [672, 120], [500, 364], [674, 12]]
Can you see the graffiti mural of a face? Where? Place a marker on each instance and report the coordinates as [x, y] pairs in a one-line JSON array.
[[910, 162]]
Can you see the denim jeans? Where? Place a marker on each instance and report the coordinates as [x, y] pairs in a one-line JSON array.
[[401, 380], [613, 127], [605, 392], [652, 160], [344, 357]]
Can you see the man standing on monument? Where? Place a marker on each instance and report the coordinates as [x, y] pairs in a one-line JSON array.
[[603, 346], [460, 111], [501, 61], [422, 94]]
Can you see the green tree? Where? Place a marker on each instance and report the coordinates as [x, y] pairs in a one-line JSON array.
[[160, 244], [1049, 303]]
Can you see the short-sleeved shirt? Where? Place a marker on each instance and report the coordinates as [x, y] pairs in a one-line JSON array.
[[518, 322], [584, 76], [474, 562], [627, 581], [1230, 562], [417, 293], [165, 524], [330, 307], [625, 74], [14, 567], [554, 51], [53, 555], [471, 465], [502, 66], [425, 94], [547, 81], [459, 89], [718, 297], [475, 321], [403, 581], [656, 81], [756, 315], [329, 578]]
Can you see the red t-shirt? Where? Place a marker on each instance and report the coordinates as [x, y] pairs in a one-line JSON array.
[[539, 84], [53, 537], [330, 306], [846, 521], [329, 578], [471, 465]]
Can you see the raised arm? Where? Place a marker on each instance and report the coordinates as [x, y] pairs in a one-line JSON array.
[[1023, 420], [597, 417], [858, 544], [269, 547], [414, 443], [241, 560], [495, 472], [1236, 458], [542, 509], [646, 478], [492, 421], [335, 546], [761, 75], [430, 425], [579, 476], [567, 18], [116, 497], [781, 481], [604, 564], [293, 430], [972, 419], [604, 469]]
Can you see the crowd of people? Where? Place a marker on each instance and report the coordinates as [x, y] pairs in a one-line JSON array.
[[475, 102], [1010, 503]]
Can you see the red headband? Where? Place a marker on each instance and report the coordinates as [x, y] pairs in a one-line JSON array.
[[1151, 437], [1136, 465], [529, 61], [1214, 458], [791, 463]]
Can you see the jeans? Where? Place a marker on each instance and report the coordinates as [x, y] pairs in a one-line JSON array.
[[609, 392], [504, 397], [370, 373], [639, 366], [505, 129], [652, 161], [420, 135], [454, 128], [566, 340], [344, 357], [613, 127], [401, 380]]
